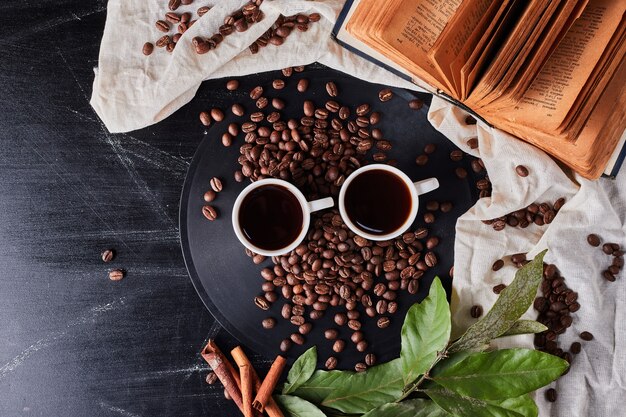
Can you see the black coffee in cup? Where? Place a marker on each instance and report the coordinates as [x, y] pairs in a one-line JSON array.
[[270, 217], [378, 202]]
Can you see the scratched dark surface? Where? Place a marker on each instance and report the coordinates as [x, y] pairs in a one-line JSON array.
[[73, 343]]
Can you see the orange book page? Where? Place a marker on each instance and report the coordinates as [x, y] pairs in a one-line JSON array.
[[458, 33], [414, 28], [552, 94]]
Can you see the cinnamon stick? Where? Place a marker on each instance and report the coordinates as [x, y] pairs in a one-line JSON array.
[[269, 383], [211, 347], [272, 409], [220, 367], [246, 390]]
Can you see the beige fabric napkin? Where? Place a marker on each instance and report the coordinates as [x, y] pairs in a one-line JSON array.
[[132, 91]]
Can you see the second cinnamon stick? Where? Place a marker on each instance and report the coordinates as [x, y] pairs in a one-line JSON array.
[[269, 383]]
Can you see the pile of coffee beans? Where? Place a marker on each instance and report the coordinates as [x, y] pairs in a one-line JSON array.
[[282, 28], [539, 214], [555, 307], [173, 22], [612, 249], [334, 267]]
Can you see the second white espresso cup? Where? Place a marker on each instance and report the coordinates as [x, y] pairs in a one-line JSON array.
[[415, 189]]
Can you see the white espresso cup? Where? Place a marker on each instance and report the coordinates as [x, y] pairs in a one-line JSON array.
[[274, 214], [414, 189]]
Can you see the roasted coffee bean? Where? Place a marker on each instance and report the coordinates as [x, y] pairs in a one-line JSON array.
[[209, 212], [341, 319], [413, 287], [392, 307], [383, 322], [256, 92], [309, 108], [586, 336], [297, 338], [362, 346], [375, 119], [344, 113], [607, 248], [211, 378], [305, 328], [285, 345], [518, 257], [456, 155], [356, 337], [205, 118], [173, 4], [172, 17], [331, 363], [460, 172], [147, 48], [216, 184], [499, 288], [593, 240], [162, 25], [262, 103], [476, 311], [107, 255], [551, 395], [331, 89], [227, 139], [360, 367], [370, 359], [472, 143], [286, 311], [268, 323], [303, 85], [202, 10], [431, 243], [116, 274], [354, 324], [497, 265], [363, 109], [521, 170], [331, 334], [297, 320], [430, 148], [237, 110], [575, 348], [385, 95], [339, 346], [261, 303], [421, 160], [431, 259], [416, 104], [209, 196]]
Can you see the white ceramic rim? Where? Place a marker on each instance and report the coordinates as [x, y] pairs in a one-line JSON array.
[[304, 205], [414, 202]]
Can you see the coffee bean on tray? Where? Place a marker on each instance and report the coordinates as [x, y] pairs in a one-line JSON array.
[[269, 323], [211, 378], [385, 95], [216, 184], [209, 212], [331, 363], [331, 89], [416, 104]]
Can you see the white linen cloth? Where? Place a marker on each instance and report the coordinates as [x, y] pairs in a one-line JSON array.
[[132, 91]]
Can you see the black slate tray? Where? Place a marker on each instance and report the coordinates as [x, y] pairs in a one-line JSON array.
[[227, 280]]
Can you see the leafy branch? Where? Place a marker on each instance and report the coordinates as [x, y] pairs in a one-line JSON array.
[[459, 377]]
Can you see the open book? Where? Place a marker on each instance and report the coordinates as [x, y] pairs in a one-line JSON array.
[[551, 72]]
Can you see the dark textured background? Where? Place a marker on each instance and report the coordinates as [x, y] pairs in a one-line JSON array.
[[73, 343]]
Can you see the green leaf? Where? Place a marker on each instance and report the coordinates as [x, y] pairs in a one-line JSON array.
[[460, 406], [408, 408], [297, 407], [501, 374], [322, 384], [425, 332], [364, 391], [301, 370], [524, 327], [514, 300]]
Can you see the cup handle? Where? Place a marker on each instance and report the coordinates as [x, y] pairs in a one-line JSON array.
[[321, 204], [426, 186]]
